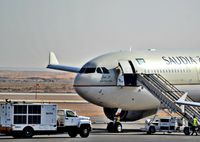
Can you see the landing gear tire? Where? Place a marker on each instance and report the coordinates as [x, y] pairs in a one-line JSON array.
[[151, 130], [186, 131], [114, 127], [118, 127], [110, 127]]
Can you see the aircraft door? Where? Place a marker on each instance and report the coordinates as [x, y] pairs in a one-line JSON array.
[[127, 76], [198, 72]]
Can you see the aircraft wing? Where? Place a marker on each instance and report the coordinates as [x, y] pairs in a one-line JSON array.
[[196, 104], [53, 64], [182, 101]]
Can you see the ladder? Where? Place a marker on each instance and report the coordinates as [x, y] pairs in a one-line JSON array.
[[167, 93]]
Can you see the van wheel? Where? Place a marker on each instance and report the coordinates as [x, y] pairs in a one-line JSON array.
[[85, 131], [28, 132], [72, 133]]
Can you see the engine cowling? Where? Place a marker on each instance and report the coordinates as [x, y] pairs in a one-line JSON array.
[[128, 115]]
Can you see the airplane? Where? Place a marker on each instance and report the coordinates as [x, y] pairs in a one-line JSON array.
[[110, 80]]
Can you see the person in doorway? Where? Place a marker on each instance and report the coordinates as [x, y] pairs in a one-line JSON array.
[[194, 125]]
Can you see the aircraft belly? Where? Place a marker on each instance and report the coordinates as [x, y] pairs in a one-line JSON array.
[[127, 98]]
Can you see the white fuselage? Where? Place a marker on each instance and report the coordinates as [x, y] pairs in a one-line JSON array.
[[98, 86]]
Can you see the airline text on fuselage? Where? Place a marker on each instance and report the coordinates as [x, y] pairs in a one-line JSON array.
[[178, 60]]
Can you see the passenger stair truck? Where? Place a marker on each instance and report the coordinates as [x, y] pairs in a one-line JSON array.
[[28, 119], [168, 95]]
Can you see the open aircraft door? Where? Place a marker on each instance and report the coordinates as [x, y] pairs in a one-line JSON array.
[[127, 76], [198, 71]]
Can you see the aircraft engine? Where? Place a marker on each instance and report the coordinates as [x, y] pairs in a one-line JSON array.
[[128, 115]]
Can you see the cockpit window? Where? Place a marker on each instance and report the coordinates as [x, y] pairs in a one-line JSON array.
[[106, 71], [99, 70], [90, 70], [82, 70], [87, 70]]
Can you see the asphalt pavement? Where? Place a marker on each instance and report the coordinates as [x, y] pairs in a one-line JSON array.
[[131, 133]]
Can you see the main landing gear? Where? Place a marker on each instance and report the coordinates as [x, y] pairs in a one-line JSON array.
[[115, 126]]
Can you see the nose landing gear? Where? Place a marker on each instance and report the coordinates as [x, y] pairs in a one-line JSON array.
[[115, 126]]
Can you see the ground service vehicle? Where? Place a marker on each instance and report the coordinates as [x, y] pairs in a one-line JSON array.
[[69, 121], [167, 124], [28, 119]]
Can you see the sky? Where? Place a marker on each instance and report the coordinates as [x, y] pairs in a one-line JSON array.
[[79, 30]]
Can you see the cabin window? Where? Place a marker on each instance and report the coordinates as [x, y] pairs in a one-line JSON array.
[[140, 61]]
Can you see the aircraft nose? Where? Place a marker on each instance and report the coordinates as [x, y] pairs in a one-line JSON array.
[[80, 82], [81, 86]]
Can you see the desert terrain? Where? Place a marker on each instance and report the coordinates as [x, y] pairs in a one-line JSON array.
[[36, 81]]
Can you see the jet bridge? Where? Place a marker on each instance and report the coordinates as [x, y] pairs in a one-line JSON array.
[[168, 94]]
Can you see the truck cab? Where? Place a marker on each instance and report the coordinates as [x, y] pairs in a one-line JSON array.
[[69, 121]]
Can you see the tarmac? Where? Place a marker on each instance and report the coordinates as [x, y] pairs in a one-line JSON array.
[[132, 133]]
